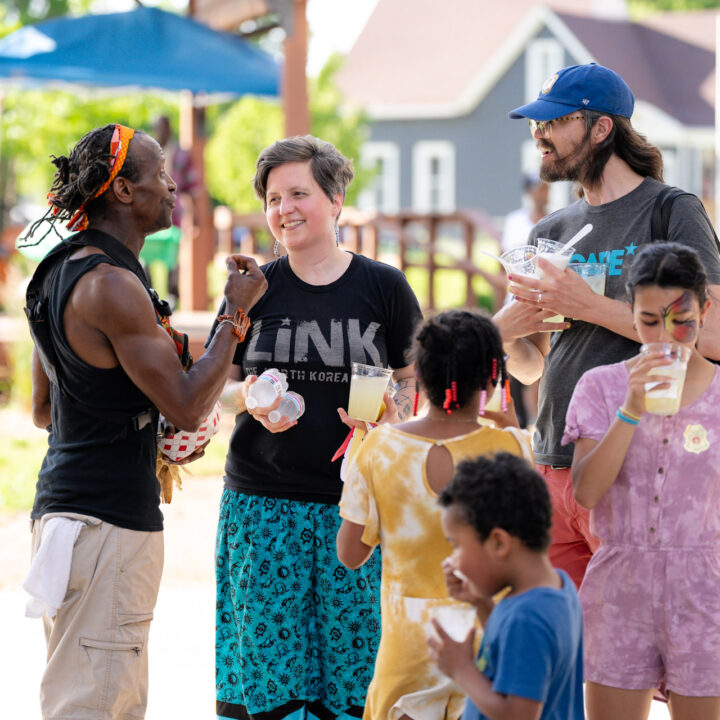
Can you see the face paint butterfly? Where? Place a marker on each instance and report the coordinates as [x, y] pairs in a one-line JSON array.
[[684, 331]]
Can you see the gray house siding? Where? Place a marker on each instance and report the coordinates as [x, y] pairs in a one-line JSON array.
[[488, 146]]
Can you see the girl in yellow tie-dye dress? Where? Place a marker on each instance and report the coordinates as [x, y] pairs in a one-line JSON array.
[[390, 498]]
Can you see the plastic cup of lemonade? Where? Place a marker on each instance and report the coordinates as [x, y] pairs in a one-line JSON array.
[[521, 260], [550, 250], [594, 274], [666, 401], [367, 387]]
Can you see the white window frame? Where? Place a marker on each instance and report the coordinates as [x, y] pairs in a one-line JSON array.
[[388, 182], [424, 152], [543, 57]]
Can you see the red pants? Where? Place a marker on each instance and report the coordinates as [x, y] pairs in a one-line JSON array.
[[572, 542]]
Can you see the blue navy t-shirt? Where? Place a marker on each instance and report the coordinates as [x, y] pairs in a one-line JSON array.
[[532, 648]]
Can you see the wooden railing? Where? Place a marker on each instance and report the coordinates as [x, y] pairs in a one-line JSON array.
[[406, 233]]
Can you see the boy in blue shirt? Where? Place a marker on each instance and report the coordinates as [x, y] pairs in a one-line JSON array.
[[497, 516]]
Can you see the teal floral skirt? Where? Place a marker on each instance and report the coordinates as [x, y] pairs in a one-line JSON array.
[[296, 632]]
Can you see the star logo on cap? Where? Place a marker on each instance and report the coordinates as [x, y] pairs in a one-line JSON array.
[[547, 85]]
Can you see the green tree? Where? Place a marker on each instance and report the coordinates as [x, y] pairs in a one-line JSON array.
[[37, 124], [241, 131], [31, 11], [642, 7]]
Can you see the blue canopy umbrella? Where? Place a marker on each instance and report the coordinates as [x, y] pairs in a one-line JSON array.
[[145, 47], [142, 48]]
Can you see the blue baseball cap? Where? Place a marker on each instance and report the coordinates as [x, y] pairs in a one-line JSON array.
[[591, 87]]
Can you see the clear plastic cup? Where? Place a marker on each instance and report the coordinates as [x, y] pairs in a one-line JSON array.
[[594, 274], [455, 620], [521, 260], [666, 401], [552, 251], [367, 387]]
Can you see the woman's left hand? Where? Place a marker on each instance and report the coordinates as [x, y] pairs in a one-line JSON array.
[[388, 415], [500, 418], [261, 414]]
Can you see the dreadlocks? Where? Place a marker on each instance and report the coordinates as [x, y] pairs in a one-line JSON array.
[[79, 177]]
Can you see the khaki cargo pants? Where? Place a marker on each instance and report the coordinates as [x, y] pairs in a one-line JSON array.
[[97, 666]]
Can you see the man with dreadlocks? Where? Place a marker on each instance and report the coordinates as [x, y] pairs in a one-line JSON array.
[[97, 526], [581, 122]]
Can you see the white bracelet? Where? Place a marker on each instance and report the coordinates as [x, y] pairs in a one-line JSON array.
[[226, 322]]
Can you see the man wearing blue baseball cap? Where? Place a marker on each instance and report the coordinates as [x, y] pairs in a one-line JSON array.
[[581, 122]]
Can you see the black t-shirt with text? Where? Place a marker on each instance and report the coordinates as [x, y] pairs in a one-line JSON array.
[[313, 334]]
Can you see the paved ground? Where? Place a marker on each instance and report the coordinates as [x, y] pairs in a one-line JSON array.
[[182, 635]]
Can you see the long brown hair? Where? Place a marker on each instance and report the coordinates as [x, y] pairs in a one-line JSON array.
[[625, 142]]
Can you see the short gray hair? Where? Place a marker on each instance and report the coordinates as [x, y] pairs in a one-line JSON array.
[[331, 170]]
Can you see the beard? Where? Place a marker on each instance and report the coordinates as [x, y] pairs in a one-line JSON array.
[[572, 166]]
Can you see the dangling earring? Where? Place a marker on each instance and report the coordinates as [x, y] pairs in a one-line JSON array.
[[483, 400], [415, 403], [337, 236], [276, 246]]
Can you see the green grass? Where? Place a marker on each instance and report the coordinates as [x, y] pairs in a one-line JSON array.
[[213, 462], [450, 289], [450, 285], [20, 460]]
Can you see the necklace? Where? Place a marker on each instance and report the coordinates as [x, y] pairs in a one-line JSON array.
[[445, 418]]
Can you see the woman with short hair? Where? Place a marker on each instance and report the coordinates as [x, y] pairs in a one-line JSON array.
[[297, 632]]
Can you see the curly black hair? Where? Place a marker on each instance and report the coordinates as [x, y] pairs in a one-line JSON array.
[[502, 491], [81, 174], [461, 346], [668, 264]]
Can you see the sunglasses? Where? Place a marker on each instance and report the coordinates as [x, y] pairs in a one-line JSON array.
[[544, 126]]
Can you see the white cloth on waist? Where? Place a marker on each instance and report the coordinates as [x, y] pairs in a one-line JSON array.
[[49, 574]]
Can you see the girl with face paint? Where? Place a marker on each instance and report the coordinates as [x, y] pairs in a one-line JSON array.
[[650, 597]]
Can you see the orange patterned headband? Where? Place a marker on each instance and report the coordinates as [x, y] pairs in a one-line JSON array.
[[119, 144]]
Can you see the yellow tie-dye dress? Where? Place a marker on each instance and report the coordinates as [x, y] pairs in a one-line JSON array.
[[387, 491]]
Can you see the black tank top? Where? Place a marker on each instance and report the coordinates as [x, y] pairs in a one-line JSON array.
[[94, 466]]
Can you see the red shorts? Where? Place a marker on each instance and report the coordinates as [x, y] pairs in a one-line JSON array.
[[572, 542]]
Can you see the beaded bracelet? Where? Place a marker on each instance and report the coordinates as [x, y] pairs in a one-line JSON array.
[[240, 323], [627, 413], [622, 416]]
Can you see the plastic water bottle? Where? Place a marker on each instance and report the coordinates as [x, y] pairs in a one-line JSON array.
[[264, 391], [291, 406]]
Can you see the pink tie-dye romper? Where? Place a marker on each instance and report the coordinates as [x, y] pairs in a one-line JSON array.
[[651, 595]]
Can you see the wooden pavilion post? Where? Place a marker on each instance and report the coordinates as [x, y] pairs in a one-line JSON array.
[[295, 96], [196, 252], [198, 242]]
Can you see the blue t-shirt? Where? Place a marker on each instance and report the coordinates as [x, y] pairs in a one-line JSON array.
[[532, 648]]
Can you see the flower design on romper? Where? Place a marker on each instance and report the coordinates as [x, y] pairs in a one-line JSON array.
[[696, 439]]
